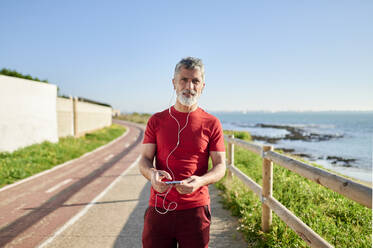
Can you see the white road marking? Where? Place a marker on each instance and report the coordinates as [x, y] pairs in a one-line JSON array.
[[135, 138], [58, 185], [109, 157], [87, 207], [127, 145]]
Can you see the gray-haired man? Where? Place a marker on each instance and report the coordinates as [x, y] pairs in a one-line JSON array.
[[181, 139]]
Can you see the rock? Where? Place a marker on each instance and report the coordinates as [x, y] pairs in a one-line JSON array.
[[341, 161], [296, 133], [303, 155], [270, 140], [287, 150]]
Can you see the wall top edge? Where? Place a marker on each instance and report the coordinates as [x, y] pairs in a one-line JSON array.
[[23, 80]]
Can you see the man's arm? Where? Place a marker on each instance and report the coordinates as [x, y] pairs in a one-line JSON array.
[[217, 171], [146, 161], [149, 172], [212, 176]]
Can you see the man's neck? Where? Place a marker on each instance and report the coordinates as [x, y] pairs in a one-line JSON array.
[[185, 109]]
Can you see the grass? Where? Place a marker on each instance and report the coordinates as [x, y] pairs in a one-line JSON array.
[[134, 117], [342, 222], [36, 158]]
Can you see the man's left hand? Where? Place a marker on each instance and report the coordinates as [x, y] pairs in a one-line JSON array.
[[189, 185]]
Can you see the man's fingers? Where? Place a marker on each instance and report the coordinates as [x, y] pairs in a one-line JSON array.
[[161, 189], [165, 174], [179, 189], [188, 180]]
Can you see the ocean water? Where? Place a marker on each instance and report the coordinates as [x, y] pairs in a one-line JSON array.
[[353, 132]]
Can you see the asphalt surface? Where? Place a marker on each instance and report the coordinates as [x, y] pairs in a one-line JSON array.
[[97, 200]]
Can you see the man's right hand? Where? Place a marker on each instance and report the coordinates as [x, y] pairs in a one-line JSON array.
[[156, 180]]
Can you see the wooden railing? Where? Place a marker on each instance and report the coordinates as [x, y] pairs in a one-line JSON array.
[[350, 189]]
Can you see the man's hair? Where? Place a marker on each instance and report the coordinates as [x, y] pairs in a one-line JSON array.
[[190, 63]]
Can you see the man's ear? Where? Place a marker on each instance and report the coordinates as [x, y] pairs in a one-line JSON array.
[[173, 82], [203, 87]]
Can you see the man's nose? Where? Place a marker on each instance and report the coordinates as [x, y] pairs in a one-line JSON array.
[[189, 84]]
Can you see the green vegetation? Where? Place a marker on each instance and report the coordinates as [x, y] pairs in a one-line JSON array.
[[244, 135], [134, 117], [33, 159], [13, 73], [342, 222]]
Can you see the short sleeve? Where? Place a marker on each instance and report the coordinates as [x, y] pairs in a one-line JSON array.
[[150, 131], [217, 137]]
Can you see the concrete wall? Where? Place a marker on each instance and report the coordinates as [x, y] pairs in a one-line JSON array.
[[27, 113], [91, 117], [88, 116], [31, 112], [65, 117]]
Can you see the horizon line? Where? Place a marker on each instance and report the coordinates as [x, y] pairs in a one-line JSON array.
[[306, 110], [263, 111]]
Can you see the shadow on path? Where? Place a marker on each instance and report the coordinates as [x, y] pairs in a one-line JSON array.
[[130, 235]]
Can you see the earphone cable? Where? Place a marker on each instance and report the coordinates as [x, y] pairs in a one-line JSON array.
[[168, 208]]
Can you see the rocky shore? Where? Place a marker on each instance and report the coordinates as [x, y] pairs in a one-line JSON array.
[[297, 133], [334, 160]]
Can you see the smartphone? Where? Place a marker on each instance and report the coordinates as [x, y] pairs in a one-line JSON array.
[[173, 182]]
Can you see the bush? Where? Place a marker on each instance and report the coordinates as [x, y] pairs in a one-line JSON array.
[[14, 73], [244, 135]]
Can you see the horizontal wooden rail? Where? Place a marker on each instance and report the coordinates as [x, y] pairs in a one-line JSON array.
[[246, 180], [352, 190], [249, 146], [304, 231]]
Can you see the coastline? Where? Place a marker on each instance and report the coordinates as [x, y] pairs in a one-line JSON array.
[[354, 173], [336, 164], [282, 136]]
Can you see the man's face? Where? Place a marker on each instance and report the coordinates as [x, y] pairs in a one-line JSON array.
[[188, 85]]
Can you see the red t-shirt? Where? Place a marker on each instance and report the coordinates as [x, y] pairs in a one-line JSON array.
[[202, 134]]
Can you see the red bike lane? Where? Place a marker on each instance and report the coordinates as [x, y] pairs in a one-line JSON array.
[[32, 210]]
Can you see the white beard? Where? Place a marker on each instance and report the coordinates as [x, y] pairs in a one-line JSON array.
[[187, 101]]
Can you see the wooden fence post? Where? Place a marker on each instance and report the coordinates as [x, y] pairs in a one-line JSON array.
[[75, 114], [230, 157], [267, 189]]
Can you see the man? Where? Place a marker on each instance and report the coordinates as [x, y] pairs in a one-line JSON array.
[[180, 140]]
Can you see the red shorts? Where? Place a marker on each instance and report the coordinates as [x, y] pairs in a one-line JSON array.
[[190, 228]]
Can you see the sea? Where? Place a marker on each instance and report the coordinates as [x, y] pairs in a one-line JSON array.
[[350, 136]]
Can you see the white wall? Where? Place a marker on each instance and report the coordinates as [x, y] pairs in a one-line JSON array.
[[27, 113], [92, 116], [65, 117]]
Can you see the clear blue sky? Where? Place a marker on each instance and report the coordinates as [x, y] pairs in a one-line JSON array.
[[259, 55]]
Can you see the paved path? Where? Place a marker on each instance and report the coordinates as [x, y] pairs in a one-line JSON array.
[[111, 216], [116, 219]]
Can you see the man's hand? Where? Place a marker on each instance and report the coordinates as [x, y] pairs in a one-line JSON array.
[[156, 180], [189, 185]]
